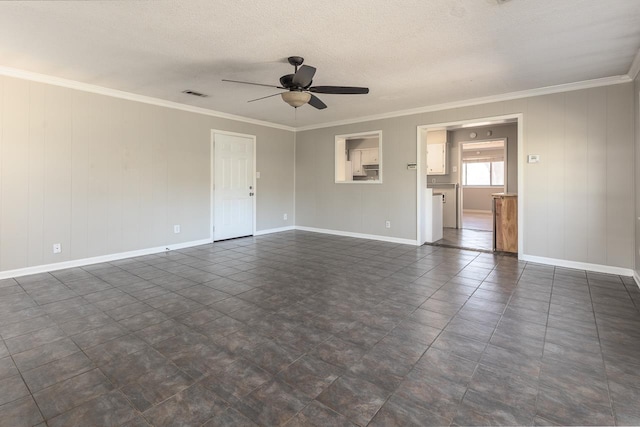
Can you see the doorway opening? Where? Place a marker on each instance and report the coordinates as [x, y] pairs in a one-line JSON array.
[[481, 159], [481, 173]]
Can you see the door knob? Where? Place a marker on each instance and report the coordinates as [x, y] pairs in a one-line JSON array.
[[250, 194]]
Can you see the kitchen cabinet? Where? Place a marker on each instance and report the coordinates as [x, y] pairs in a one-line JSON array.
[[359, 157], [505, 222], [370, 156], [437, 158], [432, 222], [355, 156]]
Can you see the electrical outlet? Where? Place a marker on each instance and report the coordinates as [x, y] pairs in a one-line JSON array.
[[57, 248], [387, 224], [176, 228], [284, 216]]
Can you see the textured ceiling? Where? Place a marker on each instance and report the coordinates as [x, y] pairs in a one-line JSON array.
[[410, 53]]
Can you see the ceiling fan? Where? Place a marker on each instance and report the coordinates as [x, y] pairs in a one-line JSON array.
[[298, 86]]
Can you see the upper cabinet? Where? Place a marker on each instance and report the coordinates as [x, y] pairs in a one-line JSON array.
[[369, 156], [437, 152]]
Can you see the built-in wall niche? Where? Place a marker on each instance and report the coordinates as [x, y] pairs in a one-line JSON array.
[[359, 158]]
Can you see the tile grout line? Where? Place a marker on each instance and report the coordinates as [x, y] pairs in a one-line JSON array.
[[544, 340], [604, 363]]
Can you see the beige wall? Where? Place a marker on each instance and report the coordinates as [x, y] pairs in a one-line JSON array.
[[361, 143], [478, 199], [103, 175], [579, 200]]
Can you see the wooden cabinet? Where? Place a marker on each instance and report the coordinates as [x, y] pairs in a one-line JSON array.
[[505, 222], [437, 159]]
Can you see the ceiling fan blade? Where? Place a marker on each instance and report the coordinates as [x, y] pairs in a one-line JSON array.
[[304, 75], [264, 97], [316, 103], [340, 90], [255, 84]]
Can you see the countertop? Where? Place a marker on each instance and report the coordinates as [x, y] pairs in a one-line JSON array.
[[441, 184]]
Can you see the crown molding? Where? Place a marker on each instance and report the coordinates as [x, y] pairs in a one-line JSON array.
[[100, 90], [586, 84], [635, 67], [86, 87]]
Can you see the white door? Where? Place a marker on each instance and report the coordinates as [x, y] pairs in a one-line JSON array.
[[233, 187]]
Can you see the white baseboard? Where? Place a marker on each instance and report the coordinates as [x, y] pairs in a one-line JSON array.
[[274, 230], [359, 235], [598, 268], [475, 211], [98, 259], [150, 251]]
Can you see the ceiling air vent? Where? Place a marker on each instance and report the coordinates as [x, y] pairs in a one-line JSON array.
[[194, 93]]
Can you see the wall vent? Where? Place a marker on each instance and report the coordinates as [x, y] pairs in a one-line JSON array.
[[194, 93]]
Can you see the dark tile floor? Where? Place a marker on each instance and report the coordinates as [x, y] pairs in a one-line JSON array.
[[465, 238], [307, 329]]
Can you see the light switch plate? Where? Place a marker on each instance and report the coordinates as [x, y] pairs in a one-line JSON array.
[[533, 158]]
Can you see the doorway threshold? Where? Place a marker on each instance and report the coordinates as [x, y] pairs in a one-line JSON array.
[[455, 246]]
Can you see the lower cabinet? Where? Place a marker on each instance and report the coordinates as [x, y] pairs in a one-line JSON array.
[[505, 222]]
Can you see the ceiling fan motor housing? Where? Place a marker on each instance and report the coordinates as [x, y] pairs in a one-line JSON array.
[[287, 81]]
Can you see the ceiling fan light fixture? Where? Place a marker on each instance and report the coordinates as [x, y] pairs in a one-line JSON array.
[[296, 98]]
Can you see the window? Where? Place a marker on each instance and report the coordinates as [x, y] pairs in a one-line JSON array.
[[483, 163], [487, 173], [358, 158]]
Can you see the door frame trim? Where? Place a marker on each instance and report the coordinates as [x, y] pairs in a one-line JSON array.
[[212, 178]]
